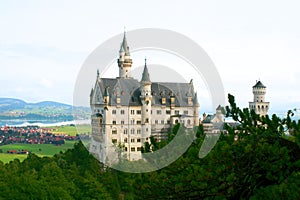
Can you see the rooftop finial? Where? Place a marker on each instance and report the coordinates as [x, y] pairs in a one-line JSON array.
[[145, 61], [97, 72]]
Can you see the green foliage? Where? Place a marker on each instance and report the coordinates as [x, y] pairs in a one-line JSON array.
[[251, 161]]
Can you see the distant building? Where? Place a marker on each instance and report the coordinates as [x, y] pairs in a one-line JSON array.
[[213, 124], [259, 105], [126, 112]]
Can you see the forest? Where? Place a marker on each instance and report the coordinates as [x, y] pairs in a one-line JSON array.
[[259, 159]]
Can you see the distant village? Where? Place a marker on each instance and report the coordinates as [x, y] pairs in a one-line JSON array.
[[32, 135]]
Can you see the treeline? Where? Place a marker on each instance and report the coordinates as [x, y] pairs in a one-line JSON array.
[[253, 161]]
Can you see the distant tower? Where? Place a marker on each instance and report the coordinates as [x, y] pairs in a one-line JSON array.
[[259, 105], [124, 61], [146, 98]]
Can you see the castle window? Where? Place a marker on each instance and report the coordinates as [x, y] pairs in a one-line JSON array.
[[125, 148], [132, 140], [162, 121], [158, 112], [132, 121], [138, 140], [146, 129], [114, 141], [188, 122], [147, 120], [172, 100], [122, 122], [176, 112], [125, 131], [125, 140], [114, 112], [138, 148], [156, 121], [138, 112], [122, 112], [132, 112], [138, 131], [114, 131], [168, 122], [163, 100], [186, 112], [132, 131], [132, 149], [168, 112], [176, 121], [114, 122], [138, 122]]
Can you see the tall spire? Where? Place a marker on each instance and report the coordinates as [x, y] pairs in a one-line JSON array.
[[124, 46], [145, 76]]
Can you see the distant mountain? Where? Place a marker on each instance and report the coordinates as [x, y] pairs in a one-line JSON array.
[[7, 104], [18, 109]]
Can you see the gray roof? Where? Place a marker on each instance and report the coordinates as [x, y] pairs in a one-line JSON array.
[[145, 76], [259, 84], [124, 45], [129, 90], [208, 118]]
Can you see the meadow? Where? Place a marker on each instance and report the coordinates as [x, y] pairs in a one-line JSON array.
[[38, 149], [72, 130]]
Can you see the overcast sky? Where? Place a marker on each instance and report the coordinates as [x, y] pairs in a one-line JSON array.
[[43, 44]]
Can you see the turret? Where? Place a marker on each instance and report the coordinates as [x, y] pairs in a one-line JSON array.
[[146, 99], [259, 105], [124, 61]]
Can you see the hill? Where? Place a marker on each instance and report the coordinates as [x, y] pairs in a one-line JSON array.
[[11, 108]]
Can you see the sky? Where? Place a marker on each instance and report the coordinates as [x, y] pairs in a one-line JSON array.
[[43, 44]]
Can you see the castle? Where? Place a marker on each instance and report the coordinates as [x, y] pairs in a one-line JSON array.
[[126, 111]]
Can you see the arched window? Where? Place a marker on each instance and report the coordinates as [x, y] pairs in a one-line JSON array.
[[125, 131]]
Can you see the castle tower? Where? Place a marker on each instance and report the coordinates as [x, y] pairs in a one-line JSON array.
[[124, 61], [259, 105], [146, 98], [196, 110]]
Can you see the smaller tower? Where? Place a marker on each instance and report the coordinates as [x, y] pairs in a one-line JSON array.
[[196, 110], [219, 113], [259, 105], [146, 99], [124, 61]]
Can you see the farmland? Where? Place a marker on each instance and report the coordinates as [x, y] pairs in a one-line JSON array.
[[38, 149]]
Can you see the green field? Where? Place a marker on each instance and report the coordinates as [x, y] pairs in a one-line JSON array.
[[38, 149], [5, 158], [72, 130]]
